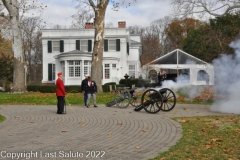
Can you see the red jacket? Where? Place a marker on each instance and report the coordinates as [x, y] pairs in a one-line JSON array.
[[60, 89]]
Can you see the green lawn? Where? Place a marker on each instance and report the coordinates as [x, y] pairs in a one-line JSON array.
[[206, 138], [37, 98], [2, 118]]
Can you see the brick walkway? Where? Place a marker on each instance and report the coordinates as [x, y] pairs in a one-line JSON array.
[[90, 133]]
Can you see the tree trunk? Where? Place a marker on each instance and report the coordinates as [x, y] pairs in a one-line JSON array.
[[18, 75], [97, 57]]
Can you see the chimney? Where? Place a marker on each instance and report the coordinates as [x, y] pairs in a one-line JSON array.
[[122, 24], [89, 25]]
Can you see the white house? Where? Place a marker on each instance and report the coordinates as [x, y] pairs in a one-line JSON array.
[[70, 51]]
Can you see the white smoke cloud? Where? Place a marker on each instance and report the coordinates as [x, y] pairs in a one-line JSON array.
[[183, 84], [227, 81]]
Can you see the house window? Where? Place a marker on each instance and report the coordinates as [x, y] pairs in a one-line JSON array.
[[107, 71], [112, 44], [56, 46], [132, 71], [87, 67], [51, 72], [114, 66], [74, 68], [84, 45]]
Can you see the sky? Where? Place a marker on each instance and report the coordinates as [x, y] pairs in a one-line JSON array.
[[140, 13]]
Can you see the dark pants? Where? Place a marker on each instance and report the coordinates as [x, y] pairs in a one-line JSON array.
[[85, 98], [60, 104]]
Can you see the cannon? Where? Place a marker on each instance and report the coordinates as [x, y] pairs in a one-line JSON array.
[[124, 96], [151, 100]]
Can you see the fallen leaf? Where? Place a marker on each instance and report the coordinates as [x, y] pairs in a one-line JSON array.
[[83, 125], [175, 113], [208, 146], [64, 131], [203, 129], [217, 140], [137, 147], [16, 116], [184, 108], [183, 121], [109, 134], [144, 130], [120, 123], [10, 134], [31, 122]]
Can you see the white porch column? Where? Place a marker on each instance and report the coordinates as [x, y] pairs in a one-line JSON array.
[[66, 73], [82, 70]]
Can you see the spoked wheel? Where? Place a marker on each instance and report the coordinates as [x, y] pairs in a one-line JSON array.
[[152, 101], [122, 98], [135, 100], [169, 99]]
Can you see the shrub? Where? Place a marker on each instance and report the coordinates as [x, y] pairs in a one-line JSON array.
[[33, 88], [138, 82], [73, 89]]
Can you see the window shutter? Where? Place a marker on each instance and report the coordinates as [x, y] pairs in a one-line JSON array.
[[50, 72], [77, 44], [49, 46], [89, 45], [105, 45], [128, 48], [118, 44], [61, 46]]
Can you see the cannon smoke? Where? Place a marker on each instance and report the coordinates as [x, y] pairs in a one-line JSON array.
[[227, 81]]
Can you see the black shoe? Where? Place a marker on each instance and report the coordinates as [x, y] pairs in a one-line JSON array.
[[59, 113], [87, 106], [95, 106]]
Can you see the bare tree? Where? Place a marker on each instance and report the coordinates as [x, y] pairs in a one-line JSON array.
[[99, 8], [216, 8], [80, 18], [30, 37], [16, 9]]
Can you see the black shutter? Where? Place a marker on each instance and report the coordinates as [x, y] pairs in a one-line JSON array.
[[89, 45], [105, 45], [77, 44], [50, 72], [118, 44], [128, 48], [61, 46], [49, 46]]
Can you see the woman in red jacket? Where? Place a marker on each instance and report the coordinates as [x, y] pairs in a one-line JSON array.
[[60, 93]]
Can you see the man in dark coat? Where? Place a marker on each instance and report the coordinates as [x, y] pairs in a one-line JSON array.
[[91, 90], [83, 86], [60, 93]]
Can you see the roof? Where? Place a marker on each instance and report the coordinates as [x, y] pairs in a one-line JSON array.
[[178, 57], [134, 42]]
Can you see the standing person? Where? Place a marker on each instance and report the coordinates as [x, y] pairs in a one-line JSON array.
[[91, 90], [83, 86], [60, 93], [126, 77], [160, 79]]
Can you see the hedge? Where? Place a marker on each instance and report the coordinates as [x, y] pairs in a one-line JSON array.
[[105, 87]]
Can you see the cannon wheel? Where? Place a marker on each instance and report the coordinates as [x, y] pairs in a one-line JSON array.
[[135, 100], [154, 102], [122, 97], [169, 99]]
